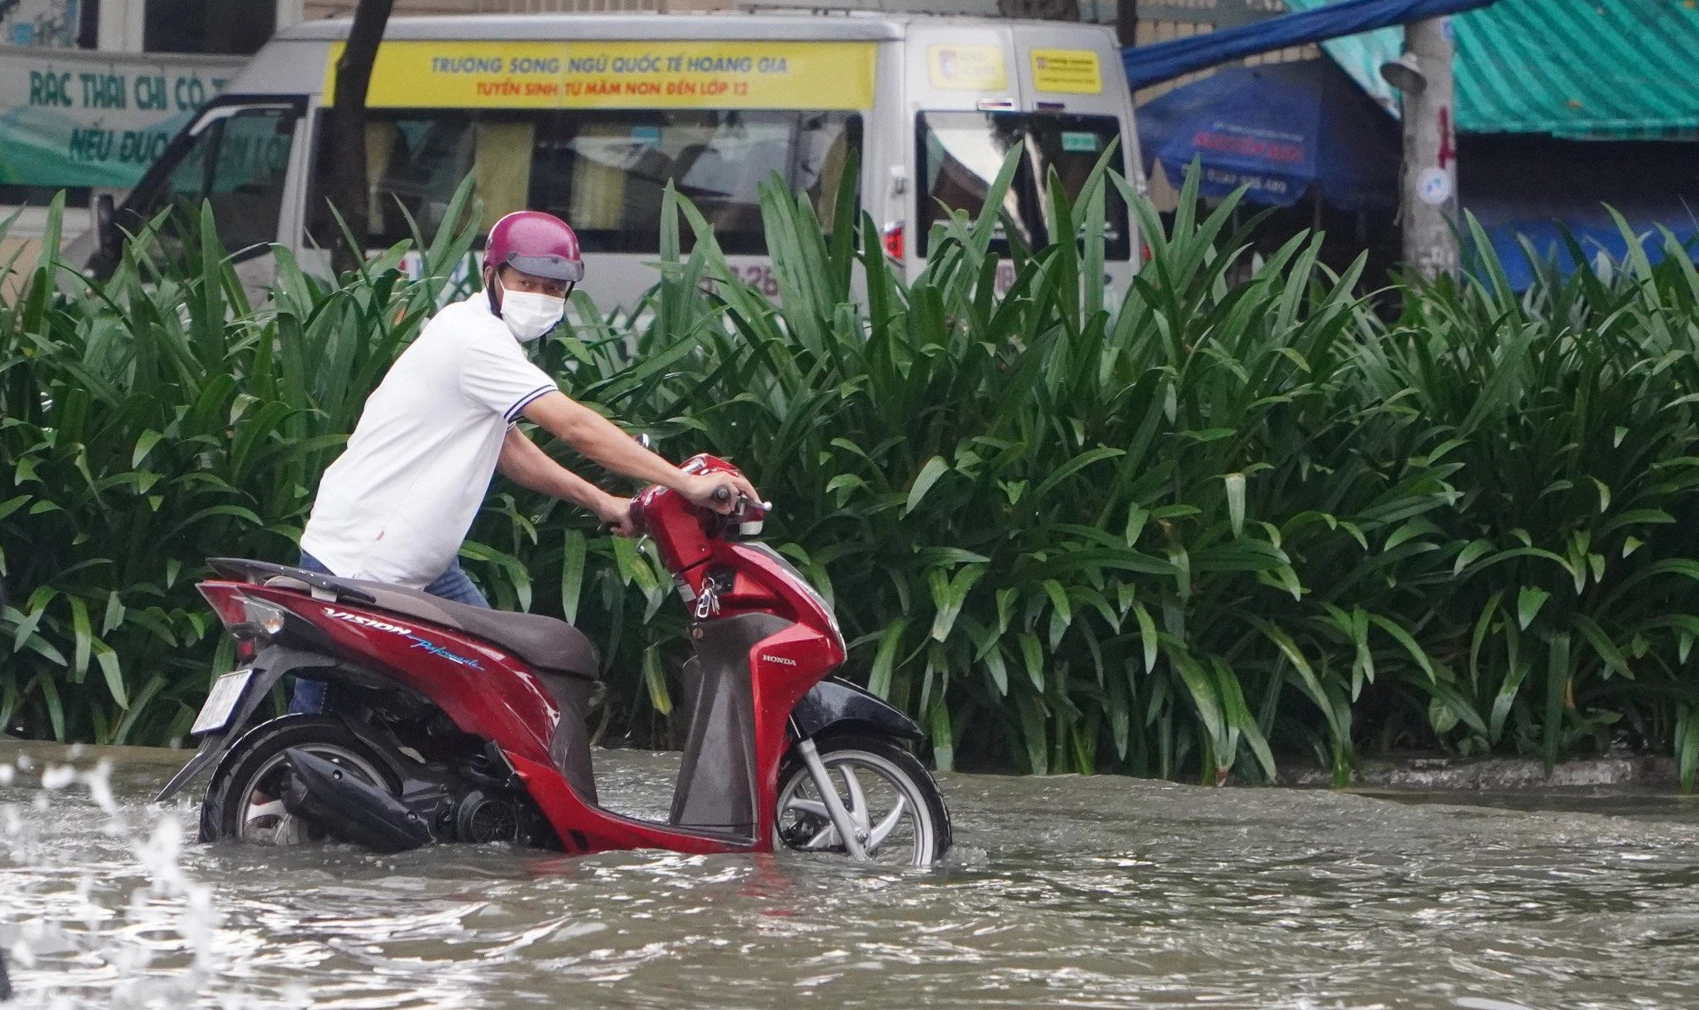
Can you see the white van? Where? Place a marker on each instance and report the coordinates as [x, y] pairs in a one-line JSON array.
[[590, 116]]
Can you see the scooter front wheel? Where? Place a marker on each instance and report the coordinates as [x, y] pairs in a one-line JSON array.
[[898, 813]]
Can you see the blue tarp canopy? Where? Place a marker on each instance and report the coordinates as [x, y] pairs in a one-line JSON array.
[[1162, 61], [1281, 130], [1536, 187], [1541, 226]]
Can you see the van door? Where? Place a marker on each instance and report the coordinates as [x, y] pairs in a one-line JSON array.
[[237, 156], [1073, 79], [959, 77], [1057, 94]]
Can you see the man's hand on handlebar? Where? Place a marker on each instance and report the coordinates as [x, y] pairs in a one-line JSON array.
[[704, 491], [616, 512]]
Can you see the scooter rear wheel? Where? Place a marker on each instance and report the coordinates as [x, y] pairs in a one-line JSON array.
[[244, 800], [893, 800]]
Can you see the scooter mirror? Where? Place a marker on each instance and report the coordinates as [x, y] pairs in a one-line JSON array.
[[644, 440]]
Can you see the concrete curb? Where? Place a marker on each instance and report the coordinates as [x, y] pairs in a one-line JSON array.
[[1417, 774], [84, 755], [1498, 774]]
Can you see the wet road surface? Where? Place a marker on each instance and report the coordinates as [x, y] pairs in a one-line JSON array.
[[1064, 892]]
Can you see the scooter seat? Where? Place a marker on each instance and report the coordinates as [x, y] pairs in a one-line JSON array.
[[544, 642]]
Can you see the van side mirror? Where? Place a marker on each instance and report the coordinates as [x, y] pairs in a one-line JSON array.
[[105, 231]]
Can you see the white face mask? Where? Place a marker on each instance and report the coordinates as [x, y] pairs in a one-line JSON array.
[[530, 314]]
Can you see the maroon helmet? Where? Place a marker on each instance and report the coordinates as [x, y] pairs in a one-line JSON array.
[[535, 243]]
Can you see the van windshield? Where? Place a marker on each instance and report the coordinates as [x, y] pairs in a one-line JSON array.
[[962, 152], [237, 162]]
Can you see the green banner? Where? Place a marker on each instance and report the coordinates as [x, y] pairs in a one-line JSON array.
[[74, 118]]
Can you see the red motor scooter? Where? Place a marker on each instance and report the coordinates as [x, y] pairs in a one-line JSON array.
[[450, 723]]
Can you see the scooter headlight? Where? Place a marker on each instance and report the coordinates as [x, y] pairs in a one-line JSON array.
[[263, 616]]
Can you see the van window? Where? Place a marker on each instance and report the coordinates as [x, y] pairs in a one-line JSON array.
[[604, 171], [962, 152], [414, 164], [238, 164]]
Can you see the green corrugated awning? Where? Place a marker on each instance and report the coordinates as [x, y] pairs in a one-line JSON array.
[[1582, 69]]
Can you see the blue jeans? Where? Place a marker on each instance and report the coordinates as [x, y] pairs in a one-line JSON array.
[[453, 584]]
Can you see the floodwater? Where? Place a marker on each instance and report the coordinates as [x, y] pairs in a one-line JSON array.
[[1065, 892]]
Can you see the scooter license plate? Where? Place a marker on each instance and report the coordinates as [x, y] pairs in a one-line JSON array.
[[221, 702]]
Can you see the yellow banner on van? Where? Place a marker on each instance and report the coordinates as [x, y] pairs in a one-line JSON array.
[[1066, 71], [617, 75], [966, 68]]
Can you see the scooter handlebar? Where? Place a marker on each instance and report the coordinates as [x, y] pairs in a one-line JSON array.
[[745, 505], [743, 517]]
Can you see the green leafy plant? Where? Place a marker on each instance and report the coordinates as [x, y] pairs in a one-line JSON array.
[[152, 420], [1226, 516]]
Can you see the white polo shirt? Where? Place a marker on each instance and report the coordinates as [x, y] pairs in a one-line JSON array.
[[398, 502]]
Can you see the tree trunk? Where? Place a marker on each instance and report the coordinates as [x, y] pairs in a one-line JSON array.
[[348, 128], [1428, 189], [1127, 22], [1044, 10]]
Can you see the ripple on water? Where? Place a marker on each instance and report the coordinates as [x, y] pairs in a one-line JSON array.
[[1064, 892]]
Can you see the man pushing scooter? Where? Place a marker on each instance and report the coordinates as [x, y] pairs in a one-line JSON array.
[[397, 504], [455, 724]]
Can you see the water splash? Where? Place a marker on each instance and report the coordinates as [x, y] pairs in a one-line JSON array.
[[155, 946]]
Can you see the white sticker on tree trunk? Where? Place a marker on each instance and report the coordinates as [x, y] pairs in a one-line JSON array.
[[1433, 186]]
